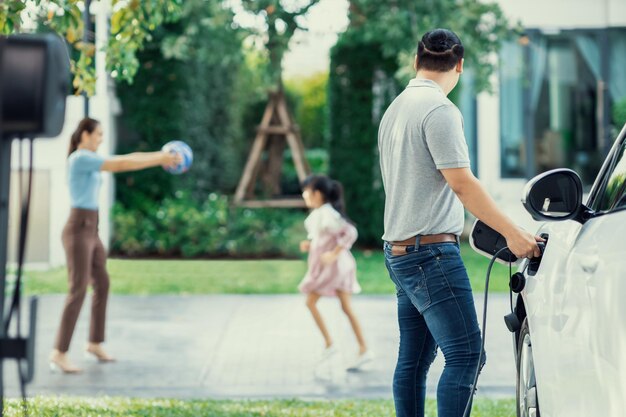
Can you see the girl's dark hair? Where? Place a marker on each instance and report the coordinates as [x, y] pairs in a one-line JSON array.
[[331, 190], [439, 50], [86, 125]]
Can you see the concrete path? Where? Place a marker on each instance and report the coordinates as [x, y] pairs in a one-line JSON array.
[[238, 346]]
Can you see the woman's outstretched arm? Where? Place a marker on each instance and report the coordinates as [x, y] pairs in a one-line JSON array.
[[139, 160]]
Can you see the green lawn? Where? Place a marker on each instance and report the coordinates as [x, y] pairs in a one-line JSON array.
[[243, 277], [117, 407]]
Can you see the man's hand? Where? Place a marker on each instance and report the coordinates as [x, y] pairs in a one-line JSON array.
[[476, 199], [523, 244]]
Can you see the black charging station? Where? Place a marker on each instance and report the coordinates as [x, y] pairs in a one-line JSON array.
[[34, 83]]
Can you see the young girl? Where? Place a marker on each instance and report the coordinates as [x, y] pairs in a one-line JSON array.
[[331, 267]]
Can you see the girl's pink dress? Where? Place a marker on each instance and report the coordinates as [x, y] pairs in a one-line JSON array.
[[326, 230]]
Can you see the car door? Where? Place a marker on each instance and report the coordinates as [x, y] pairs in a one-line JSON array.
[[575, 305], [547, 312], [593, 361]]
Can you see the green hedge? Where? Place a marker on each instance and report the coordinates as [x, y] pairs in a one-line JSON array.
[[308, 101], [619, 113], [190, 88], [359, 92], [180, 227], [318, 162]]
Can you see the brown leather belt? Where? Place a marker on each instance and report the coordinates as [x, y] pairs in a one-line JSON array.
[[427, 239], [399, 247]]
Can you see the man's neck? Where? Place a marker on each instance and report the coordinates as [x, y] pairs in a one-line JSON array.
[[446, 80]]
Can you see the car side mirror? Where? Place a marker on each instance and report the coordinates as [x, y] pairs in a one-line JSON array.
[[554, 195]]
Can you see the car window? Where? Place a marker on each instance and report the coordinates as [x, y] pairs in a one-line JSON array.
[[613, 192]]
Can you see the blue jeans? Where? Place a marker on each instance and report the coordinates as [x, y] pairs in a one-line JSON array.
[[435, 309]]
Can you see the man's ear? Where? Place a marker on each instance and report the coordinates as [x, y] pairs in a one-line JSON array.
[[459, 66], [415, 63]]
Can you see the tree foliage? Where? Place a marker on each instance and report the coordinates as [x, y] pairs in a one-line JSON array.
[[379, 46], [397, 25], [619, 113], [131, 25], [310, 110], [281, 23], [359, 89], [191, 86]]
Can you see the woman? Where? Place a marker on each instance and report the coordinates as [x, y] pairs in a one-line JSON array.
[[86, 258]]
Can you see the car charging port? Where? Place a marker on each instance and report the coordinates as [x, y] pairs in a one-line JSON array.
[[533, 264], [517, 282]]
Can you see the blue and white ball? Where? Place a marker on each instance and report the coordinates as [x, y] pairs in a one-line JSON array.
[[181, 148]]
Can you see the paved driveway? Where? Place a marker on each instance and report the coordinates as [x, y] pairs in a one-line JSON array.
[[232, 346]]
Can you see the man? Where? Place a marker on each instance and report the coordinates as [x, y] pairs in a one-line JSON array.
[[425, 170]]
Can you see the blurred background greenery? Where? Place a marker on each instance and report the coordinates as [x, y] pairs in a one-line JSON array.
[[191, 70]]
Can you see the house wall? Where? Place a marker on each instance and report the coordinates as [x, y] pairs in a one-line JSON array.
[[549, 17]]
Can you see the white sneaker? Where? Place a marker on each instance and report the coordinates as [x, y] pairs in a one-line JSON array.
[[361, 360], [328, 352]]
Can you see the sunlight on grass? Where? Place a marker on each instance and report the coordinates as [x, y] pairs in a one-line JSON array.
[[114, 407], [145, 277]]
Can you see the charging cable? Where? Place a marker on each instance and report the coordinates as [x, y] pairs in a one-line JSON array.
[[468, 407], [480, 365]]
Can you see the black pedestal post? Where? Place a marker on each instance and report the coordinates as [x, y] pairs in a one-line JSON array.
[[5, 181]]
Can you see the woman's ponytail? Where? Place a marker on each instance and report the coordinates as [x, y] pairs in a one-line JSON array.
[[86, 125]]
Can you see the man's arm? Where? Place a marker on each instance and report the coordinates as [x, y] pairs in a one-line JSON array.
[[476, 199]]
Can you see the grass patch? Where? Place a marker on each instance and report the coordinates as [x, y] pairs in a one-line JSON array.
[[145, 277], [110, 407]]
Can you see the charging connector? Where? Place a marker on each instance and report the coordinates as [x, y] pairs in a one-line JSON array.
[[490, 243]]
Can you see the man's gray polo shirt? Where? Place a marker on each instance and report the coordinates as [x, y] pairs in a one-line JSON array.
[[420, 133]]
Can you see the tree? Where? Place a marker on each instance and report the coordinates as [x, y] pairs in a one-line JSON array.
[[281, 24], [619, 113], [397, 25], [132, 22], [371, 61], [358, 71], [187, 88], [309, 98]]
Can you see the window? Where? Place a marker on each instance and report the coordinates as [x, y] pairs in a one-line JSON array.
[[565, 133], [612, 193], [467, 104], [550, 100], [512, 110]]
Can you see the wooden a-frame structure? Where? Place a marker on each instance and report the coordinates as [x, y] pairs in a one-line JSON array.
[[276, 131]]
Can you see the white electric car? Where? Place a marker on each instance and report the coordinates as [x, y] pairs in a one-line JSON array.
[[571, 336]]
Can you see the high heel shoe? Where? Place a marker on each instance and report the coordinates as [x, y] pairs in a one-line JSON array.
[[99, 354], [60, 365]]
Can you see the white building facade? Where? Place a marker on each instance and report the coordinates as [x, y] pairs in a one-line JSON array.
[[50, 204], [554, 91]]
